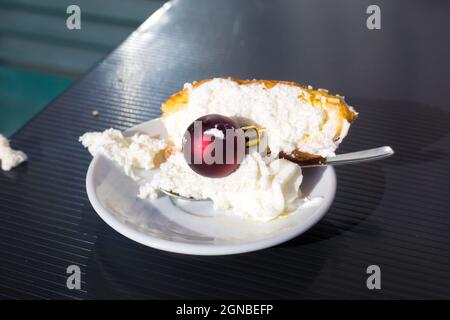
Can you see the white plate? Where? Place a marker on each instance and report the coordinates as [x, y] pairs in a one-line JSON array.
[[192, 227]]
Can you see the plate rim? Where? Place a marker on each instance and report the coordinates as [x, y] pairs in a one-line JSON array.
[[202, 249]]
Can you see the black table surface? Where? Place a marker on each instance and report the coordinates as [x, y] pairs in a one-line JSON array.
[[393, 213]]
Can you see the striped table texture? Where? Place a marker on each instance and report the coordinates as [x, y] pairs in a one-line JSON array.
[[393, 213]]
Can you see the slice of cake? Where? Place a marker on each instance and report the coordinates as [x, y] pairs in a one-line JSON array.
[[301, 123]]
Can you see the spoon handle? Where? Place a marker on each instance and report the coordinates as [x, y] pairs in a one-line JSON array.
[[355, 157]]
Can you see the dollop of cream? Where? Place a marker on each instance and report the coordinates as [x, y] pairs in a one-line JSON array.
[[261, 188], [10, 158], [139, 151]]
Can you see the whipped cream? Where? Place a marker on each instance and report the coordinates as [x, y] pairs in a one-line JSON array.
[[261, 188], [10, 158], [291, 123], [139, 151]]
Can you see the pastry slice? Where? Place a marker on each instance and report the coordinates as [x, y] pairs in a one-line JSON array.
[[302, 124]]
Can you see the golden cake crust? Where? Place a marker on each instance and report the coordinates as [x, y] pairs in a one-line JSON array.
[[319, 98]]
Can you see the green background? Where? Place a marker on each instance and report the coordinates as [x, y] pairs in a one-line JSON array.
[[40, 57]]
